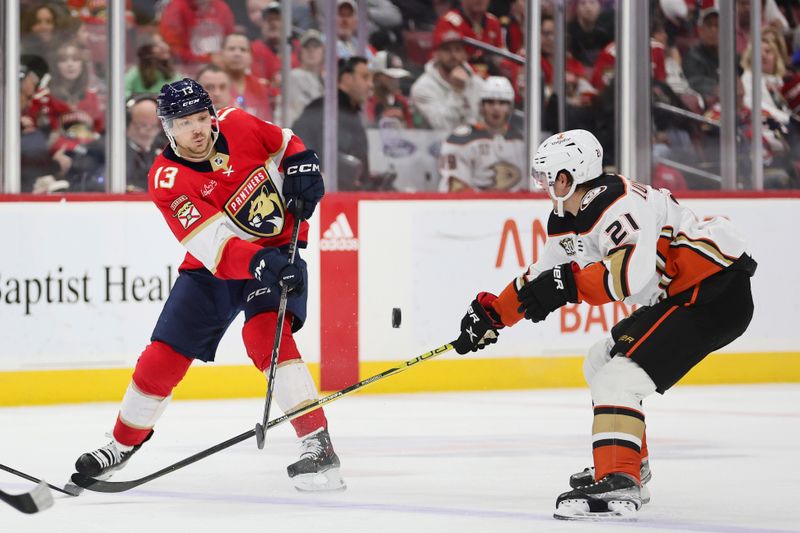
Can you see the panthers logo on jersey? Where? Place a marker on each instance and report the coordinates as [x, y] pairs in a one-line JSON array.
[[256, 206]]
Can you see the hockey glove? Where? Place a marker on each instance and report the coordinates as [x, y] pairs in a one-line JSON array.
[[550, 290], [271, 268], [479, 327], [302, 179]]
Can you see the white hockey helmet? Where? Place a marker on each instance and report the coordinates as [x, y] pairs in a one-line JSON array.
[[497, 88], [577, 152]]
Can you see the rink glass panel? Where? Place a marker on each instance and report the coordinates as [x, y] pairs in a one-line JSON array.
[[63, 151]]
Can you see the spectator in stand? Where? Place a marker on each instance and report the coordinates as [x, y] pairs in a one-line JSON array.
[[196, 29], [305, 82], [590, 31], [266, 46], [779, 171], [68, 91], [346, 28], [37, 168], [775, 37], [249, 92], [488, 155], [604, 68], [473, 20], [41, 25], [446, 94], [251, 24], [701, 62], [80, 152], [772, 72], [355, 86], [143, 133], [388, 107], [579, 90], [217, 84], [514, 26], [154, 68]]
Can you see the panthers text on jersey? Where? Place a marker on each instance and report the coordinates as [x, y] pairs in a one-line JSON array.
[[633, 243], [223, 210], [473, 158]]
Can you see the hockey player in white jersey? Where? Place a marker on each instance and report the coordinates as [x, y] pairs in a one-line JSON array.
[[613, 239], [490, 154]]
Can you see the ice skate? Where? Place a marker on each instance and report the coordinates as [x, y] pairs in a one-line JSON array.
[[581, 479], [318, 467], [615, 497], [103, 462]]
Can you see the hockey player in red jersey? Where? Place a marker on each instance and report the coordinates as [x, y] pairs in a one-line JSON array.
[[612, 239], [228, 186]]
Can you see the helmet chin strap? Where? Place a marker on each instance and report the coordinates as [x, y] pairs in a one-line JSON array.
[[561, 199]]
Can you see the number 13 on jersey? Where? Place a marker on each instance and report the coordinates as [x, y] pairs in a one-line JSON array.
[[165, 177]]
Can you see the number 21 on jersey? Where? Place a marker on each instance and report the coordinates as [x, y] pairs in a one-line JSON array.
[[165, 177], [618, 230]]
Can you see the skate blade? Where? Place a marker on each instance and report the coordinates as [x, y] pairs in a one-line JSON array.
[[618, 511], [327, 481], [644, 493]]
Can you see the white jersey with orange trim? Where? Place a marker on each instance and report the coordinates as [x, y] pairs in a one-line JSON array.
[[633, 243], [473, 158]]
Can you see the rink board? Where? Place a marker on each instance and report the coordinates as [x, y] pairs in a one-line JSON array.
[[82, 283]]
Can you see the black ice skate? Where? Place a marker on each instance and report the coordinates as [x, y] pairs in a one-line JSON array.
[[318, 467], [581, 479], [615, 497], [103, 462]]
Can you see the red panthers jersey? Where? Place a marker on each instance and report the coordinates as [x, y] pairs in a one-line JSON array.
[[223, 210]]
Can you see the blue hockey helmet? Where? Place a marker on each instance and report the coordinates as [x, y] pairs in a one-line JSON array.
[[181, 98]]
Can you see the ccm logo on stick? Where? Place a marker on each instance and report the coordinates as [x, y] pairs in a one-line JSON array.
[[307, 167]]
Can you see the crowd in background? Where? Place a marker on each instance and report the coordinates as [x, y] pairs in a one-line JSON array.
[[415, 74]]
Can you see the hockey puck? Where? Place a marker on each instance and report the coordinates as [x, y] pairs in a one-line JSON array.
[[396, 317]]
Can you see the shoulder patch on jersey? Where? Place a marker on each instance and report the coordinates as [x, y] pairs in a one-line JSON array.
[[568, 244], [591, 195], [463, 130], [187, 214], [613, 189], [177, 202]]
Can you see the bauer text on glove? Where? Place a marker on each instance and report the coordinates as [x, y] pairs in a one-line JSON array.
[[480, 325], [548, 291]]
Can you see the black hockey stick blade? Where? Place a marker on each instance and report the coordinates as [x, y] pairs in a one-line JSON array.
[[31, 502], [23, 475], [98, 485]]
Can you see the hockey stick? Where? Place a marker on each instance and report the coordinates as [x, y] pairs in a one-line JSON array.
[[31, 502], [261, 429], [35, 480], [121, 486]]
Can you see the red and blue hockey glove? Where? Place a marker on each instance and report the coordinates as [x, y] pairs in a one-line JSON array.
[[271, 268], [550, 290], [302, 180], [479, 327]]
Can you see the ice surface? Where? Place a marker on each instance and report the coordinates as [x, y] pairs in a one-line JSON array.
[[724, 459]]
